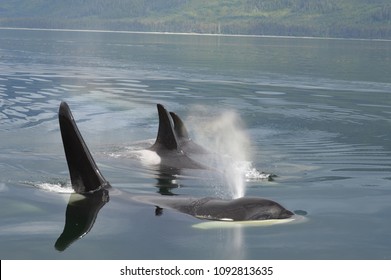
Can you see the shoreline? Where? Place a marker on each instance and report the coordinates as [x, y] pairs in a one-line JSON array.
[[188, 34]]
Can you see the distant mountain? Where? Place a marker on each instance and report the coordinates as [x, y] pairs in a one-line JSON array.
[[323, 18]]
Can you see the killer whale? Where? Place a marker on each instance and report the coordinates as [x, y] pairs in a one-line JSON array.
[[173, 144], [87, 180], [217, 209], [185, 142], [174, 151]]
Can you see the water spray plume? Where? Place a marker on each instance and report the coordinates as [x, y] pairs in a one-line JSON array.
[[225, 136]]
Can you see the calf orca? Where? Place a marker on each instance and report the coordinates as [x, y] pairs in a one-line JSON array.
[[87, 180]]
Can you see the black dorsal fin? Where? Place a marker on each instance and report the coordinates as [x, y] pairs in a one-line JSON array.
[[84, 173], [166, 137], [179, 127]]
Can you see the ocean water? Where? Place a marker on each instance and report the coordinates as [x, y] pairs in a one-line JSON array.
[[314, 112]]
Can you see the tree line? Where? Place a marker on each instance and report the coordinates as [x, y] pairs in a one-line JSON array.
[[331, 18]]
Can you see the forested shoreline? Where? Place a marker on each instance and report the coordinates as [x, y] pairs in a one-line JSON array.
[[319, 18]]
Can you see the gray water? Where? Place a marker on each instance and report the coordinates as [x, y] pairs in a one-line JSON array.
[[316, 112]]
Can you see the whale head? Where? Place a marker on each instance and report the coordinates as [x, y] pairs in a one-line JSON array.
[[251, 209]]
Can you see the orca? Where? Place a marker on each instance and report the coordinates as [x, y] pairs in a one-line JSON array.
[[185, 142], [173, 144], [216, 209], [88, 181], [174, 151], [86, 178]]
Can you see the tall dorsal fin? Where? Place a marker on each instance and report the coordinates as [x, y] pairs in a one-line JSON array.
[[179, 126], [84, 173], [166, 137]]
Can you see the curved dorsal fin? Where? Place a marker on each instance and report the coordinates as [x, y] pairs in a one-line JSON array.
[[166, 137], [84, 173], [179, 126]]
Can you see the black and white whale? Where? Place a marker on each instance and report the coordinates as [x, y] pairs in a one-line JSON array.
[[173, 146], [174, 150], [216, 209], [87, 180]]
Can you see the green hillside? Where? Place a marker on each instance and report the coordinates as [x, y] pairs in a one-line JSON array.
[[332, 18]]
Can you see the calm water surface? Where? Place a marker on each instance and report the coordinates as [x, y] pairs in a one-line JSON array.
[[315, 112]]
